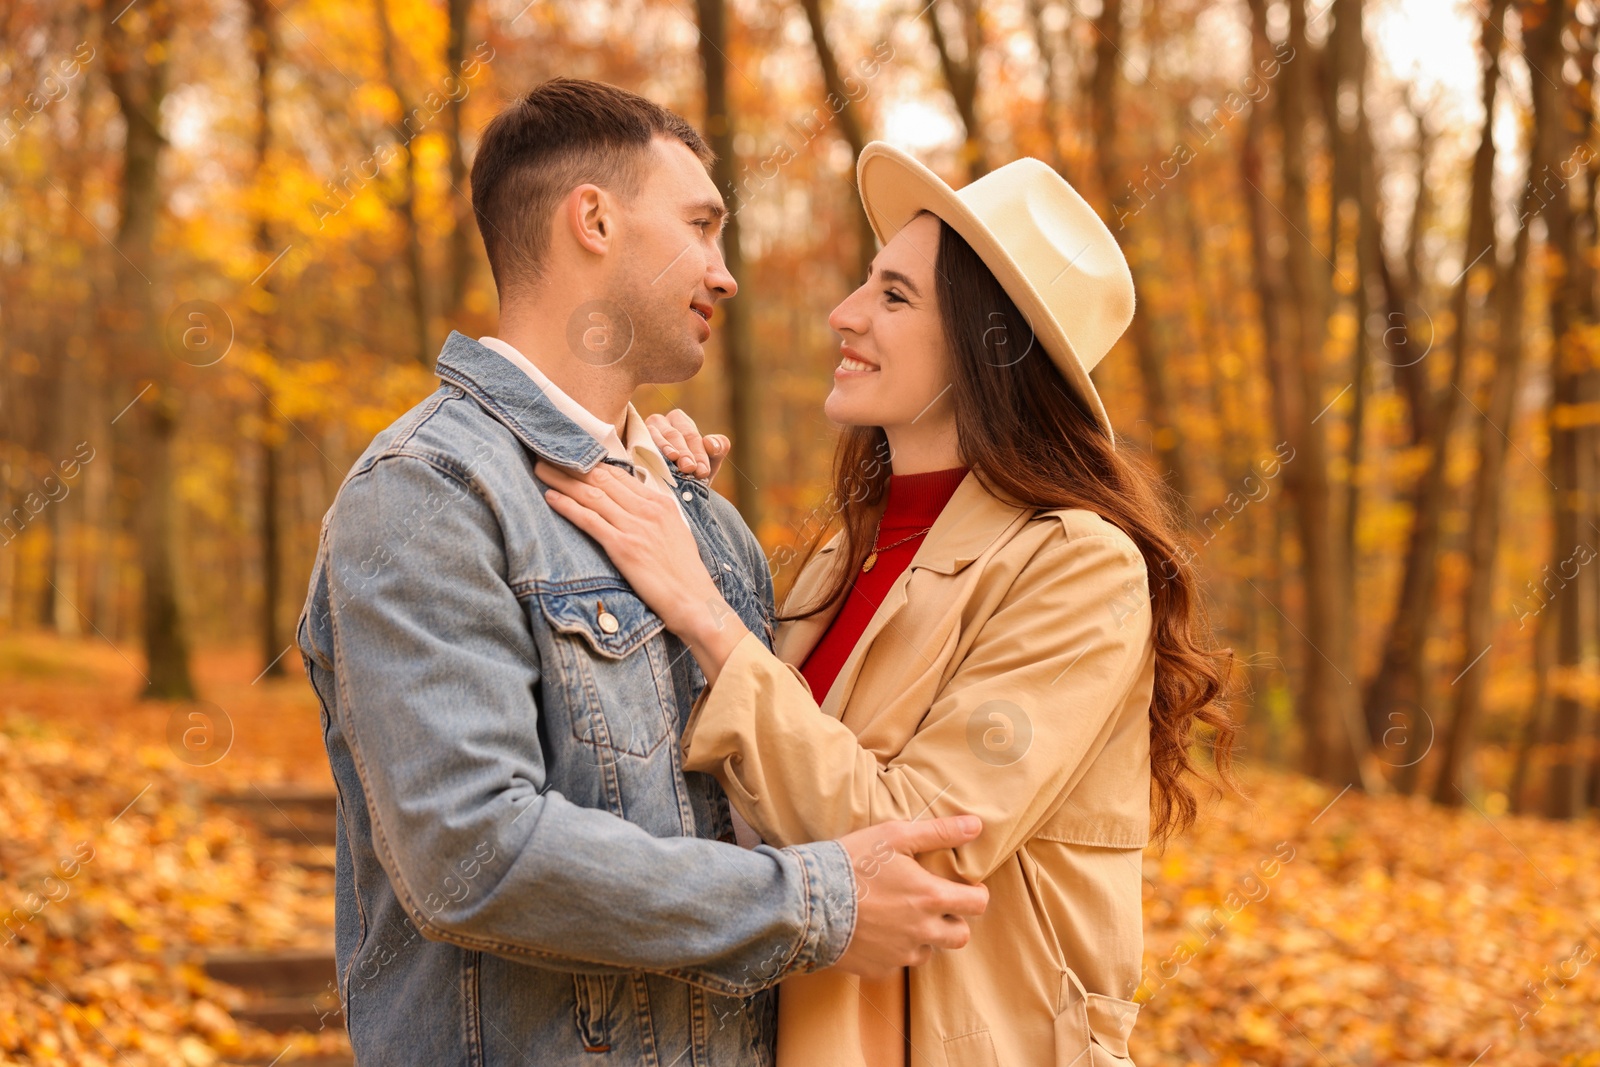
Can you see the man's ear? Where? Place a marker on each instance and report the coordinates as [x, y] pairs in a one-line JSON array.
[[591, 218]]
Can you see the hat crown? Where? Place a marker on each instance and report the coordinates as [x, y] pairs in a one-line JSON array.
[[1062, 248]]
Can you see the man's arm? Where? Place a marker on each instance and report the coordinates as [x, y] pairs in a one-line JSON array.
[[437, 674]]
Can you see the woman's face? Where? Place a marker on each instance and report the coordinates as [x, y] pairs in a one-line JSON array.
[[894, 369]]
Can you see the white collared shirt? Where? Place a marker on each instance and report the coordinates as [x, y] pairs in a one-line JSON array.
[[640, 448]]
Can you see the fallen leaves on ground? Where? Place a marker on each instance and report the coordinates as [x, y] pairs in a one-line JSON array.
[[1317, 927], [1307, 927], [117, 877]]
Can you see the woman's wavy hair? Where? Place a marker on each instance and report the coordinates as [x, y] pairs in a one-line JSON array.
[[1029, 439]]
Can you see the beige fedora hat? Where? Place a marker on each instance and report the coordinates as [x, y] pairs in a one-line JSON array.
[[1046, 246]]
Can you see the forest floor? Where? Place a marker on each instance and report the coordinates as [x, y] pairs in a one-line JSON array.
[[1305, 927]]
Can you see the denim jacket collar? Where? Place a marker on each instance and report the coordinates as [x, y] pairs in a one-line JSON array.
[[513, 398]]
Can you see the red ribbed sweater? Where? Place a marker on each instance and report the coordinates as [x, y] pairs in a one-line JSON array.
[[914, 502]]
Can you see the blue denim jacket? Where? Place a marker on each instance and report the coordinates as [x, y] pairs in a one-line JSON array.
[[525, 873]]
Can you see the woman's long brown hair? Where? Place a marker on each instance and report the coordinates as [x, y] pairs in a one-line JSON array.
[[1029, 439]]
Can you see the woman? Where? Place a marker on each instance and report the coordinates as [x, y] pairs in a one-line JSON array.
[[1000, 625]]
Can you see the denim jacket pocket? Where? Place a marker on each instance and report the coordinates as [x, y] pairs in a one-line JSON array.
[[617, 682], [610, 618]]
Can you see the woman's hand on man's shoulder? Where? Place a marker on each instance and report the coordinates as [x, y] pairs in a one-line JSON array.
[[681, 441]]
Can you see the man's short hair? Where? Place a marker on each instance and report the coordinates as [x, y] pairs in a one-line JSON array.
[[564, 133]]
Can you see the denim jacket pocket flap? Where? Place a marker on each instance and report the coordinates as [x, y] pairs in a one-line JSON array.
[[610, 618]]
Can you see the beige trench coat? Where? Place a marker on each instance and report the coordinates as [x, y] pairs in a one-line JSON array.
[[1007, 673]]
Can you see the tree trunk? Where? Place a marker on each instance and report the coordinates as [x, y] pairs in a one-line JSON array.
[[1483, 533], [96, 567], [1584, 238], [137, 71], [1355, 208], [1400, 682], [1335, 747], [273, 642], [1166, 437], [1267, 277], [166, 644], [78, 407], [65, 515], [1055, 118], [961, 76], [744, 405], [422, 348], [264, 47], [53, 612], [464, 225], [850, 125], [1569, 471], [1517, 794]]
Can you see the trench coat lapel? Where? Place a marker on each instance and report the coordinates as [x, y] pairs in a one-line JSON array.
[[794, 639], [964, 530]]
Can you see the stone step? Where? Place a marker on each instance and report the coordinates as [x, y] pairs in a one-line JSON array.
[[282, 1015], [292, 990], [279, 973], [285, 796], [293, 813]]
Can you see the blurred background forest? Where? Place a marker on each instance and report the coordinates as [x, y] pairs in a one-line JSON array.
[[235, 233]]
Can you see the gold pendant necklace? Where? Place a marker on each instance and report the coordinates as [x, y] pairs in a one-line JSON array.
[[872, 557]]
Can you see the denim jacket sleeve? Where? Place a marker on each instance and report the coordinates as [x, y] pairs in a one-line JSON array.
[[437, 674]]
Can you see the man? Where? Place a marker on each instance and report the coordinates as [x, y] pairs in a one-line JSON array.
[[526, 875]]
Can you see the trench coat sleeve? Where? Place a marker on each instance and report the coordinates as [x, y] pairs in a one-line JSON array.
[[1015, 727]]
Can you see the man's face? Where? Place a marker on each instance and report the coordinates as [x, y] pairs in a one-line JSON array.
[[669, 273]]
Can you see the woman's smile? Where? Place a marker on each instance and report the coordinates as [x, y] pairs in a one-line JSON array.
[[851, 365]]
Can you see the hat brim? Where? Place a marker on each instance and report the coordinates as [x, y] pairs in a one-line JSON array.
[[894, 187]]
